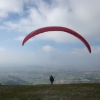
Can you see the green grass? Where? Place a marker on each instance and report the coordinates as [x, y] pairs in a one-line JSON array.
[[51, 92]]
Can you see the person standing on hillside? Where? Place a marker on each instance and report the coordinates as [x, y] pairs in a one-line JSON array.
[[51, 79]]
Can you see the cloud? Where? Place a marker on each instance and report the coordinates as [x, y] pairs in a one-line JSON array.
[[17, 58], [58, 37], [21, 38], [2, 49], [79, 52], [21, 17], [32, 53], [59, 58], [61, 13], [96, 50], [10, 6], [48, 48], [87, 16]]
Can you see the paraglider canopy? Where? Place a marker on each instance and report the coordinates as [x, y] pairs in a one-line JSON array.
[[57, 28]]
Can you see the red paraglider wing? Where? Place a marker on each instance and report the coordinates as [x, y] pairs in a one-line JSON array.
[[56, 28]]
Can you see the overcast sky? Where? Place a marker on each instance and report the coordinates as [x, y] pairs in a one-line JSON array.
[[19, 17]]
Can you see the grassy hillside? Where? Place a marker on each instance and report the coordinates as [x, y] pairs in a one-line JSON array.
[[51, 92]]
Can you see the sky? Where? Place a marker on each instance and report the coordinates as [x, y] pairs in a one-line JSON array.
[[20, 17]]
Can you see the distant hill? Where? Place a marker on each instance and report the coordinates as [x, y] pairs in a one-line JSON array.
[[31, 75], [11, 82]]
